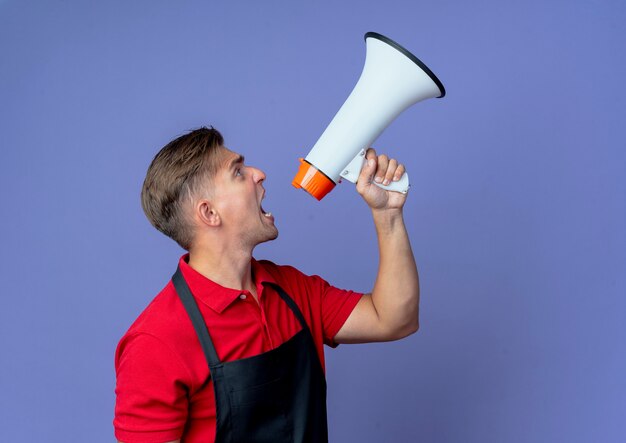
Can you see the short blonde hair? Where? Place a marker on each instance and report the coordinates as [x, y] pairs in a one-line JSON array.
[[175, 176]]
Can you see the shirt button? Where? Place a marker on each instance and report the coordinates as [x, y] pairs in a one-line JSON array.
[[242, 296]]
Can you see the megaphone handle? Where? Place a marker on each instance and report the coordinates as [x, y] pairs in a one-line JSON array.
[[352, 171], [401, 185]]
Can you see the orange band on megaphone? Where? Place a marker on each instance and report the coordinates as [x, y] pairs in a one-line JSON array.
[[312, 180]]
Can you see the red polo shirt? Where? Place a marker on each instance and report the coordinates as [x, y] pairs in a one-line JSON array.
[[162, 393]]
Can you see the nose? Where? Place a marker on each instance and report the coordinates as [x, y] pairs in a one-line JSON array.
[[258, 175]]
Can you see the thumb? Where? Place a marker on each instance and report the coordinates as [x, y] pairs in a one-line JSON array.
[[366, 176]]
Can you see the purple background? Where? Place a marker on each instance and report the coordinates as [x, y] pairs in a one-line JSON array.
[[517, 212]]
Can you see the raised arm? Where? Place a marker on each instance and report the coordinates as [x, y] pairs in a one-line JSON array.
[[391, 311]]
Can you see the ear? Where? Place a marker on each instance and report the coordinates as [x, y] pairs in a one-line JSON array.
[[207, 213]]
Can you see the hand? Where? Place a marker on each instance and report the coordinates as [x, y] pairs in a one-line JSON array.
[[383, 170]]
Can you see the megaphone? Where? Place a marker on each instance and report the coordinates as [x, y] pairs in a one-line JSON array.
[[392, 80]]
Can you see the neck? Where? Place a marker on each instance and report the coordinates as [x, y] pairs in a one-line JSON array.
[[227, 267]]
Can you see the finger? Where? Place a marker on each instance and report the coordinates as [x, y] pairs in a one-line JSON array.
[[370, 153], [400, 170], [369, 167], [391, 170], [381, 170]]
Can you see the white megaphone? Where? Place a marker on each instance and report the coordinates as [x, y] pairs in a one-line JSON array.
[[392, 80]]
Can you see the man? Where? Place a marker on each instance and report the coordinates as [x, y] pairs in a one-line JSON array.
[[231, 349]]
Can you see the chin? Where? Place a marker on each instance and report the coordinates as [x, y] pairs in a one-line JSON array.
[[270, 237], [274, 236]]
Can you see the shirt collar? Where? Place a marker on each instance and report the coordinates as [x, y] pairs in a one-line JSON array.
[[215, 296]]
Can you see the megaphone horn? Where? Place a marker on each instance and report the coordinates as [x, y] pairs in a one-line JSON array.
[[392, 80]]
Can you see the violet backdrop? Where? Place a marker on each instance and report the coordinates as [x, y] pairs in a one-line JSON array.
[[517, 211]]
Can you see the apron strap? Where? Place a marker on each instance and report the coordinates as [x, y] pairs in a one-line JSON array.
[[196, 318], [292, 304]]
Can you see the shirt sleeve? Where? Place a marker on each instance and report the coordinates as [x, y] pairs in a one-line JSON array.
[[151, 391], [337, 305]]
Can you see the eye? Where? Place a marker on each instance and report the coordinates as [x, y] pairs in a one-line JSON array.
[[238, 172]]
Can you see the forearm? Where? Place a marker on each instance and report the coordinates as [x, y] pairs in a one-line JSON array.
[[396, 291], [391, 311]]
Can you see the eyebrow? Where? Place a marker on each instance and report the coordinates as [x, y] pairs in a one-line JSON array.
[[233, 162]]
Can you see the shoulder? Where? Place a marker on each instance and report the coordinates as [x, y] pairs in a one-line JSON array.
[[330, 306], [162, 316], [304, 288], [289, 275], [162, 328]]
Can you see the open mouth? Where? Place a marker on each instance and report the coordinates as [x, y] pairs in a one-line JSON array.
[[265, 213]]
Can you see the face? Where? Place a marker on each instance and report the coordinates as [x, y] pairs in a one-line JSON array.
[[237, 195]]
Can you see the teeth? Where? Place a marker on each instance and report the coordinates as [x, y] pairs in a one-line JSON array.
[[267, 214]]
